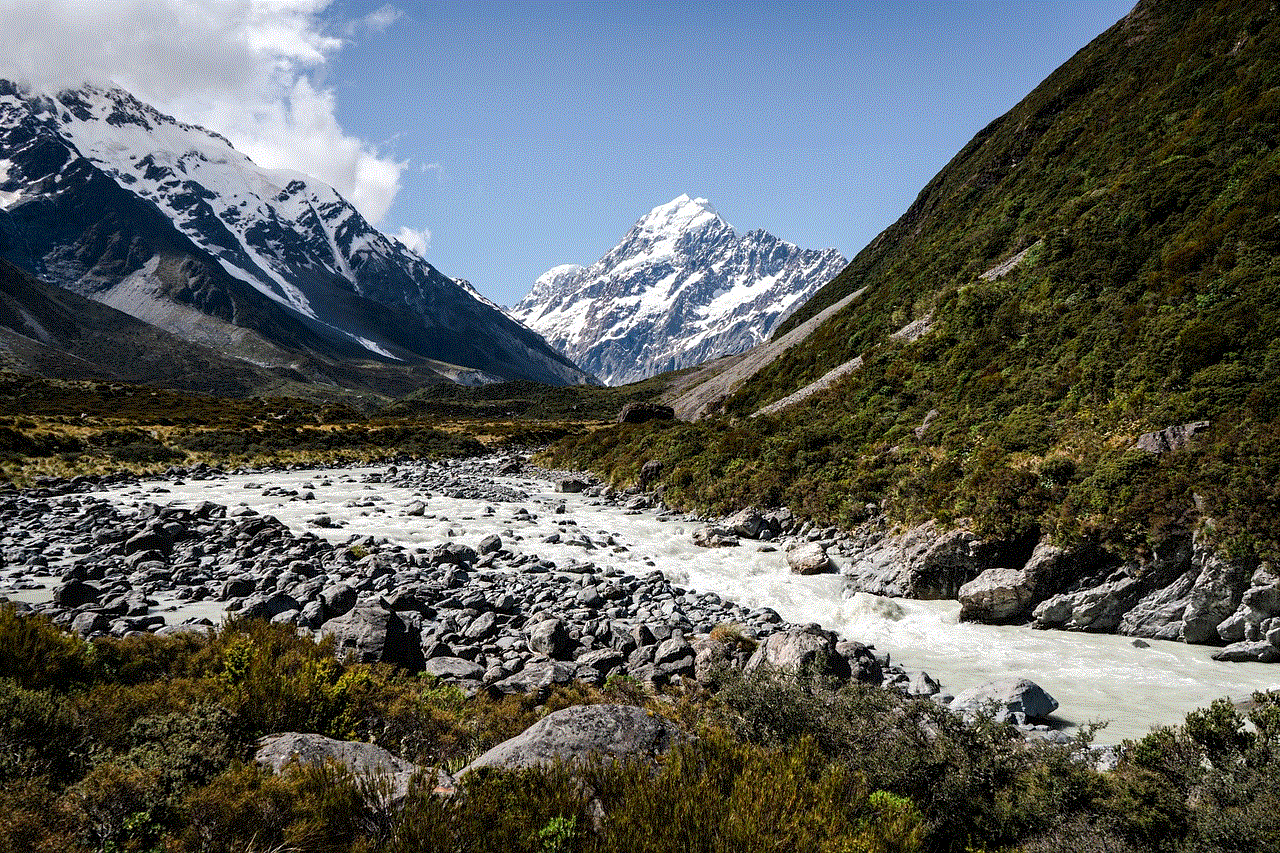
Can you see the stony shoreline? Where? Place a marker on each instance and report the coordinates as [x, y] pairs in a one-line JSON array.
[[492, 616]]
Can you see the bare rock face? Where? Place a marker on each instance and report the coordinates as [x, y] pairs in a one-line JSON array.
[[1011, 696], [584, 733], [995, 596], [369, 634], [1051, 568], [808, 559], [1159, 615], [1096, 608], [1214, 595], [798, 648], [638, 413], [1170, 438], [925, 562], [713, 536], [276, 752]]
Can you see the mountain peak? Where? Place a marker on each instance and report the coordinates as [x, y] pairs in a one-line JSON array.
[[270, 250], [682, 286], [679, 215]]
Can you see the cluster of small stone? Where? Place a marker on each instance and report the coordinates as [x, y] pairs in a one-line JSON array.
[[483, 617]]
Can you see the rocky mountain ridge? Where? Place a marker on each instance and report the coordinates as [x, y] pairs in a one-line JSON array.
[[680, 288], [107, 197], [1068, 338]]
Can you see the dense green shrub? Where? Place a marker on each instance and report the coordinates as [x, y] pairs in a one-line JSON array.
[[36, 654], [139, 747]]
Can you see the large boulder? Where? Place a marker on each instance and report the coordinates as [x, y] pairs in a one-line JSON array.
[[863, 664], [925, 561], [748, 523], [571, 485], [453, 669], [153, 538], [536, 679], [638, 413], [650, 473], [1260, 651], [268, 606], [1009, 697], [276, 752], [673, 656], [371, 634], [996, 596], [1170, 438], [714, 536], [551, 638], [338, 599], [584, 733], [799, 648], [451, 554], [809, 558], [73, 594]]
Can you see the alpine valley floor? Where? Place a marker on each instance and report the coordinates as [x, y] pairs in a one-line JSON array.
[[1094, 677]]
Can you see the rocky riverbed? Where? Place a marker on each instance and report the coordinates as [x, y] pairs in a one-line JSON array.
[[481, 572]]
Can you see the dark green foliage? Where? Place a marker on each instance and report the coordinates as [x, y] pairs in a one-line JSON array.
[[1227, 770], [37, 655], [40, 735], [1143, 178], [527, 401], [141, 748]]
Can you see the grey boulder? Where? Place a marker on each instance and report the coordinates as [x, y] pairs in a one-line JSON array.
[[369, 634], [453, 669], [714, 537], [799, 648], [995, 596], [808, 559], [1009, 696], [276, 752], [584, 733]]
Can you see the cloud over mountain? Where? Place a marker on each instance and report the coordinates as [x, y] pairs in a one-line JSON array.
[[254, 71]]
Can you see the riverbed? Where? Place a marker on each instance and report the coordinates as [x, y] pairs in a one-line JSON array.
[[1094, 677]]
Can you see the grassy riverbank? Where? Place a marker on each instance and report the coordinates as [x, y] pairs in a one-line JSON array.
[[142, 745], [64, 429]]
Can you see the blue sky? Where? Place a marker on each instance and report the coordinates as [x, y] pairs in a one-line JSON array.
[[536, 134], [501, 139]]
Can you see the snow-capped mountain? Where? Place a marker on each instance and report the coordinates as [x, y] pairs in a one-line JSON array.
[[682, 287], [105, 196]]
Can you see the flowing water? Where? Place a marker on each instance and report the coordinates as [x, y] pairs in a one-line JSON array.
[[1095, 677]]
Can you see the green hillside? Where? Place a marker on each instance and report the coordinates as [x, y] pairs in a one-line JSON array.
[[1144, 177]]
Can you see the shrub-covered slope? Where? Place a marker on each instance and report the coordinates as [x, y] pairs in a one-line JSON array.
[[1144, 178]]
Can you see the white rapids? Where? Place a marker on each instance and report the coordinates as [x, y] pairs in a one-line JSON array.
[[1094, 677]]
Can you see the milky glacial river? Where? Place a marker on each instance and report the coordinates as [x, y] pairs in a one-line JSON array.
[[1094, 677]]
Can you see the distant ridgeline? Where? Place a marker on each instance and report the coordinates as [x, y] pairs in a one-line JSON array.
[[1100, 262]]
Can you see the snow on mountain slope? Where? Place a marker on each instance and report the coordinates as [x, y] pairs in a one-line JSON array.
[[682, 287], [290, 238]]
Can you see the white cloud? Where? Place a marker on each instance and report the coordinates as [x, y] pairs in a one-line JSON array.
[[377, 21], [248, 69], [436, 169], [415, 240]]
